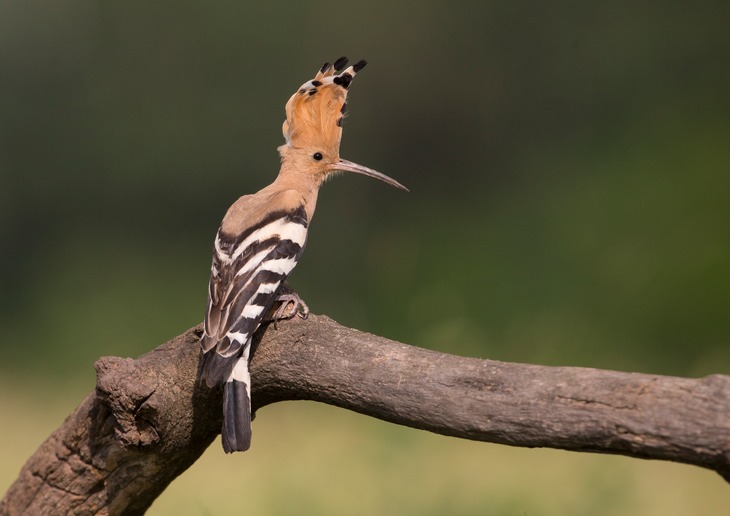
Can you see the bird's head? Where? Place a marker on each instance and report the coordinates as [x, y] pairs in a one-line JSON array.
[[313, 125]]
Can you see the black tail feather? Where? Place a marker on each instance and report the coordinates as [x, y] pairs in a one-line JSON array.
[[236, 432], [214, 368]]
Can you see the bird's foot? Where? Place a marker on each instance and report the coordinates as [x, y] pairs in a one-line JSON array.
[[290, 304]]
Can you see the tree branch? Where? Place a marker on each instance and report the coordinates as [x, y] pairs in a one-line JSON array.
[[149, 419]]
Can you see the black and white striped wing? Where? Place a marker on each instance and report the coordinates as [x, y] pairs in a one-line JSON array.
[[246, 275]]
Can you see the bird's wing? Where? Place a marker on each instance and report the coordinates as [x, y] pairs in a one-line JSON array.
[[246, 274]]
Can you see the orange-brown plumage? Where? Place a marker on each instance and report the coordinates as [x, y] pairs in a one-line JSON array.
[[314, 113]]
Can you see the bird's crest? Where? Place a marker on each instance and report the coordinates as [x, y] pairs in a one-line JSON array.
[[314, 113]]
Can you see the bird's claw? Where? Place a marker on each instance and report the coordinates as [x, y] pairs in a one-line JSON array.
[[290, 304]]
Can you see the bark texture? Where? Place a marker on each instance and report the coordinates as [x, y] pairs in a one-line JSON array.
[[149, 419]]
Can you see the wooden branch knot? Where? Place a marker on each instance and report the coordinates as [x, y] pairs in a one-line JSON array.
[[129, 395]]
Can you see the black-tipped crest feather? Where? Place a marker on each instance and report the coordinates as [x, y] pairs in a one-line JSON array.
[[314, 117], [341, 63]]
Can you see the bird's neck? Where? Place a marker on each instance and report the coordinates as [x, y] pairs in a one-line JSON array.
[[306, 184]]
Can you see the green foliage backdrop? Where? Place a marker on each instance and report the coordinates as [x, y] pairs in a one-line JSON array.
[[568, 166]]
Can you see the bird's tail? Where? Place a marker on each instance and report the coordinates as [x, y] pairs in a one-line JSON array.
[[236, 432]]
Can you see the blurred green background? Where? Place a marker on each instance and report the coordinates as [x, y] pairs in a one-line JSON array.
[[569, 173]]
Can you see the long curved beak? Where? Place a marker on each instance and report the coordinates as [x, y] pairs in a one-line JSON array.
[[349, 166]]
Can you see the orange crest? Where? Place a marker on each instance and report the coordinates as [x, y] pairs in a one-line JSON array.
[[314, 113]]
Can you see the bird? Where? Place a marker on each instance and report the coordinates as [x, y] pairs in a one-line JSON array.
[[261, 239]]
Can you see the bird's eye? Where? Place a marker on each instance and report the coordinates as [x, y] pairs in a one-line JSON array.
[[317, 156]]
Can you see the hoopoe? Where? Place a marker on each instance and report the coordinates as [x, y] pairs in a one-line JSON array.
[[262, 237]]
